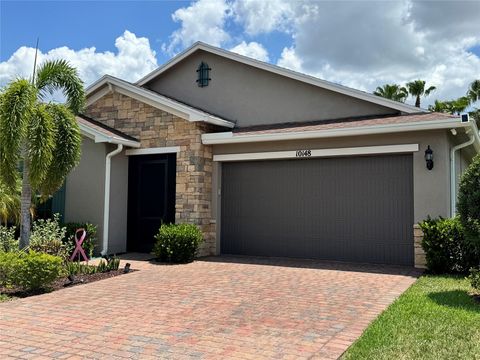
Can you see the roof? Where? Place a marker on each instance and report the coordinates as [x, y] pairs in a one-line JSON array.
[[102, 133], [338, 128], [108, 84], [409, 109]]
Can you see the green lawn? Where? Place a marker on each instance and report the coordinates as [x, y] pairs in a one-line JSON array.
[[434, 319]]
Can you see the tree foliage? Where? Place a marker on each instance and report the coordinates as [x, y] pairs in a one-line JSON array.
[[417, 89], [392, 92]]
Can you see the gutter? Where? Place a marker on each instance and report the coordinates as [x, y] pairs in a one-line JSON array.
[[475, 140], [230, 138], [106, 206]]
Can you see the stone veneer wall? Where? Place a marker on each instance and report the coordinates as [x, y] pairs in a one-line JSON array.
[[157, 128], [420, 261]]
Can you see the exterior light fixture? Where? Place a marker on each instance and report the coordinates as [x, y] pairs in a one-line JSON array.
[[429, 158], [126, 269]]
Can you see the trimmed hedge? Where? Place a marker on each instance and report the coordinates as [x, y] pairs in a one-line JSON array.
[[445, 246], [468, 205], [177, 243], [29, 270]]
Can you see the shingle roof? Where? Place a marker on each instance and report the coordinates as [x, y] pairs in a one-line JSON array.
[[104, 129], [343, 123]]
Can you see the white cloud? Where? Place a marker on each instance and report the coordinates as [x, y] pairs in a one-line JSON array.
[[260, 16], [290, 60], [252, 49], [203, 20], [134, 59]]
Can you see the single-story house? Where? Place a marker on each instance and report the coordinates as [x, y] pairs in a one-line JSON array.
[[265, 160]]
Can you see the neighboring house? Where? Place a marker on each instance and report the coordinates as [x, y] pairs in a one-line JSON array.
[[265, 160]]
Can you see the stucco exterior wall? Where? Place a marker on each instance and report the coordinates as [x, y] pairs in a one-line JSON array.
[[85, 188], [431, 188], [156, 128], [117, 230], [251, 96]]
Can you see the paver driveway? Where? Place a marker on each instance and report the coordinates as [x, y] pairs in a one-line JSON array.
[[224, 307]]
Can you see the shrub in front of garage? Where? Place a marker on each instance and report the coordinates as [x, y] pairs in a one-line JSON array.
[[177, 243], [445, 246]]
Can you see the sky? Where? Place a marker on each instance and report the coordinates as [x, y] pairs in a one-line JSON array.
[[361, 44]]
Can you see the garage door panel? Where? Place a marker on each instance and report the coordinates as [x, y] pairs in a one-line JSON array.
[[349, 209]]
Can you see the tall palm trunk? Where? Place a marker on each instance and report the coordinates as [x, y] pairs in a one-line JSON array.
[[25, 222], [417, 101]]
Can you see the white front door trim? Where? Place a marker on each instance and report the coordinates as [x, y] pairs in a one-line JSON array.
[[309, 153], [151, 151]]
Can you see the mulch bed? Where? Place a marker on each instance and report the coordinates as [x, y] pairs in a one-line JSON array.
[[63, 283]]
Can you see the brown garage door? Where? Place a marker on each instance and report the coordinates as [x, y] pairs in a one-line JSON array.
[[348, 209]]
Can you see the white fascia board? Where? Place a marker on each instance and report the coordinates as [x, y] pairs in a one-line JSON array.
[[156, 100], [283, 72], [229, 138], [157, 150], [98, 137], [309, 153]]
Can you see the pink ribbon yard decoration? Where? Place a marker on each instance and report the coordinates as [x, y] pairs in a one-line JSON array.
[[78, 248]]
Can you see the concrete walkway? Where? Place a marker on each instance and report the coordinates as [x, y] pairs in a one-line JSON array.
[[215, 308]]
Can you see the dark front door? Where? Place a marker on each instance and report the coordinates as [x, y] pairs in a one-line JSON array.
[[151, 198]]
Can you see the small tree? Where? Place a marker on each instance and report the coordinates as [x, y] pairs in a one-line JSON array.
[[43, 139], [469, 204]]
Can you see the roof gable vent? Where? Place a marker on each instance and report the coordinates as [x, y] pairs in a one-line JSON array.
[[203, 72]]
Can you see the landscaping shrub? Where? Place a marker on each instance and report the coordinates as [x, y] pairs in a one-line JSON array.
[[475, 278], [445, 247], [90, 241], [177, 243], [7, 239], [47, 237], [29, 270], [468, 205], [76, 268]]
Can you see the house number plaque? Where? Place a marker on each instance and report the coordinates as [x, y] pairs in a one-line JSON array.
[[303, 153]]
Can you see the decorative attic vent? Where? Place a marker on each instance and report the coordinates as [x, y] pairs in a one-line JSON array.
[[203, 74]]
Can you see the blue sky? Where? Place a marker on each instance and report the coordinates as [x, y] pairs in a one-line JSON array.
[[362, 44]]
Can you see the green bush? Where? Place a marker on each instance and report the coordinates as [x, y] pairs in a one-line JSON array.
[[468, 205], [177, 243], [446, 249], [76, 268], [47, 237], [475, 278], [90, 241], [29, 270], [7, 239]]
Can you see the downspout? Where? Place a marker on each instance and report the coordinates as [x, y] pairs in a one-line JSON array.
[[106, 205], [475, 140]]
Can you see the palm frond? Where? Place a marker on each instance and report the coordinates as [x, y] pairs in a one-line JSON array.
[[41, 145], [16, 104], [66, 155], [60, 75]]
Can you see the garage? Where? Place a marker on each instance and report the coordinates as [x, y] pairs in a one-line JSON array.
[[355, 208]]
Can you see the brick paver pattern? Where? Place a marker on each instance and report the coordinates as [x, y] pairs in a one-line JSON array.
[[216, 308]]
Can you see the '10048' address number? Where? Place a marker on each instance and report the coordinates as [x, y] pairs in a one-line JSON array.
[[303, 153]]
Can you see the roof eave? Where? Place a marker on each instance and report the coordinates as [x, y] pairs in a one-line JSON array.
[[230, 138], [99, 137]]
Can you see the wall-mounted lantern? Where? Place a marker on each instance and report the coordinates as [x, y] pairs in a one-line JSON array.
[[203, 72], [429, 158]]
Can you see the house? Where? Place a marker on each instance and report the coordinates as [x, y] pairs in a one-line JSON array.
[[267, 161]]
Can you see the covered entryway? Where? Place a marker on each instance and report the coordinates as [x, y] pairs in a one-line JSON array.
[[151, 198], [357, 208]]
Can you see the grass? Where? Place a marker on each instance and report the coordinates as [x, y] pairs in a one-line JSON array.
[[434, 319]]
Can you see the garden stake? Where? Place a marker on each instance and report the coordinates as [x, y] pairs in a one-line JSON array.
[[78, 248]]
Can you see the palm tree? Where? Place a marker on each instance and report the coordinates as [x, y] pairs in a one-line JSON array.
[[473, 92], [440, 106], [44, 137], [459, 105], [9, 205], [392, 92], [417, 89]]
